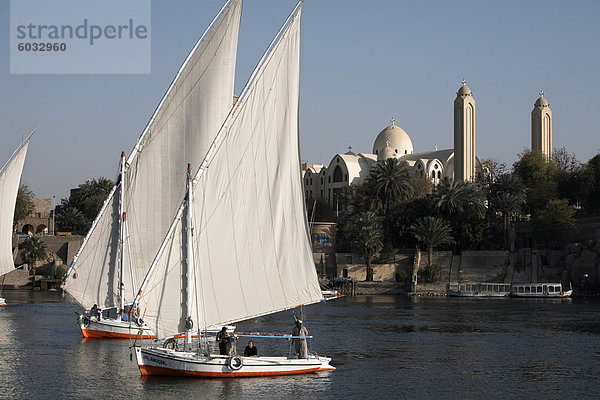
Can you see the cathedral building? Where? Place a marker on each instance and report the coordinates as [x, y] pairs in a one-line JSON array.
[[326, 182]]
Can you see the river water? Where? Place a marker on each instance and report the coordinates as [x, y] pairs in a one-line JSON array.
[[384, 347]]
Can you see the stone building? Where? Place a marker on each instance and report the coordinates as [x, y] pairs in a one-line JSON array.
[[39, 222]]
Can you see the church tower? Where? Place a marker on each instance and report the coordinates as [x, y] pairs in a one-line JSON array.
[[541, 127], [464, 134]]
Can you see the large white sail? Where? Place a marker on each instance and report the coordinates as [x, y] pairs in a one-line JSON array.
[[180, 131], [10, 177], [251, 244]]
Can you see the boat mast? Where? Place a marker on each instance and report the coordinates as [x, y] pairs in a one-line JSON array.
[[122, 236], [189, 261]]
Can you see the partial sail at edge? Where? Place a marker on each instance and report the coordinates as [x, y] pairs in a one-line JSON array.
[[10, 177], [251, 244], [180, 131]]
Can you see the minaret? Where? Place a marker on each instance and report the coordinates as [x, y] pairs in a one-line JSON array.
[[464, 134], [541, 127]]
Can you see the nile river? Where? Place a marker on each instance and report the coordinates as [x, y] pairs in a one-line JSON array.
[[384, 347]]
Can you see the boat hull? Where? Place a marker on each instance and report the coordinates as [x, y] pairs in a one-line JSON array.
[[560, 295], [453, 293], [114, 329], [2, 301], [167, 362]]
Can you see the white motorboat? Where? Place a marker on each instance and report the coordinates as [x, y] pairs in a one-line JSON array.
[[543, 290]]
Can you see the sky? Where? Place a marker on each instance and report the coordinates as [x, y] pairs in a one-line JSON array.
[[362, 63]]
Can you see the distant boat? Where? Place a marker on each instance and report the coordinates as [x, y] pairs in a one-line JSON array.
[[117, 251], [478, 289], [239, 246], [540, 290], [10, 177]]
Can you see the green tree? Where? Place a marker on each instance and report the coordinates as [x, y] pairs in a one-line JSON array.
[[457, 198], [492, 169], [539, 176], [24, 204], [432, 232], [389, 182], [34, 250], [70, 219], [592, 185], [507, 198], [90, 196], [422, 186], [367, 237], [553, 225]]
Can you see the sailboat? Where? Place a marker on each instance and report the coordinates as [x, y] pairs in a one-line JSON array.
[[116, 252], [239, 246], [10, 177]]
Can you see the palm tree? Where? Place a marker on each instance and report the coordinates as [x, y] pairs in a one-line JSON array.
[[390, 181], [367, 237], [70, 219], [34, 249], [508, 197], [458, 198], [431, 232]]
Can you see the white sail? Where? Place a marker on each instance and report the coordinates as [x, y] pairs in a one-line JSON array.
[[251, 243], [10, 177], [180, 131]]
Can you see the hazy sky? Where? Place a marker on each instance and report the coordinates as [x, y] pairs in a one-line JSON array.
[[363, 62]]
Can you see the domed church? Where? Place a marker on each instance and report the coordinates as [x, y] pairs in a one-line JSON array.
[[327, 182]]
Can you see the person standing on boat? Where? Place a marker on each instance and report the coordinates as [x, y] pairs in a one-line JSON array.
[[251, 350], [301, 347], [224, 342]]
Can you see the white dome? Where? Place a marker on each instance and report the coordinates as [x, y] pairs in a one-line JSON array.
[[394, 137], [386, 153]]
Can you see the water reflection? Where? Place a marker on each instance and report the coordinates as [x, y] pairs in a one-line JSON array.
[[383, 347]]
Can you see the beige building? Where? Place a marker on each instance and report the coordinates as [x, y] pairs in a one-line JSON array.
[[541, 127], [327, 182], [39, 222]]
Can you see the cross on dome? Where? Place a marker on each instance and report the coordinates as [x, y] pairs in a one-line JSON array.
[[393, 120], [541, 93], [349, 148], [464, 83]]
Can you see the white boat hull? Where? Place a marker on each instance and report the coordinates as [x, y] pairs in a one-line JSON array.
[[113, 329], [453, 293], [2, 301], [160, 361], [559, 295]]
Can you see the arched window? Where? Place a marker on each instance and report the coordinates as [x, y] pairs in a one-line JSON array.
[[432, 174], [439, 174], [337, 174]]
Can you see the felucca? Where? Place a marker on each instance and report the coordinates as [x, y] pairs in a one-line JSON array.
[[116, 252], [10, 177], [239, 245]]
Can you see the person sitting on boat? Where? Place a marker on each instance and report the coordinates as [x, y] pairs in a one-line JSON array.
[[301, 347], [224, 342], [251, 350], [96, 312]]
